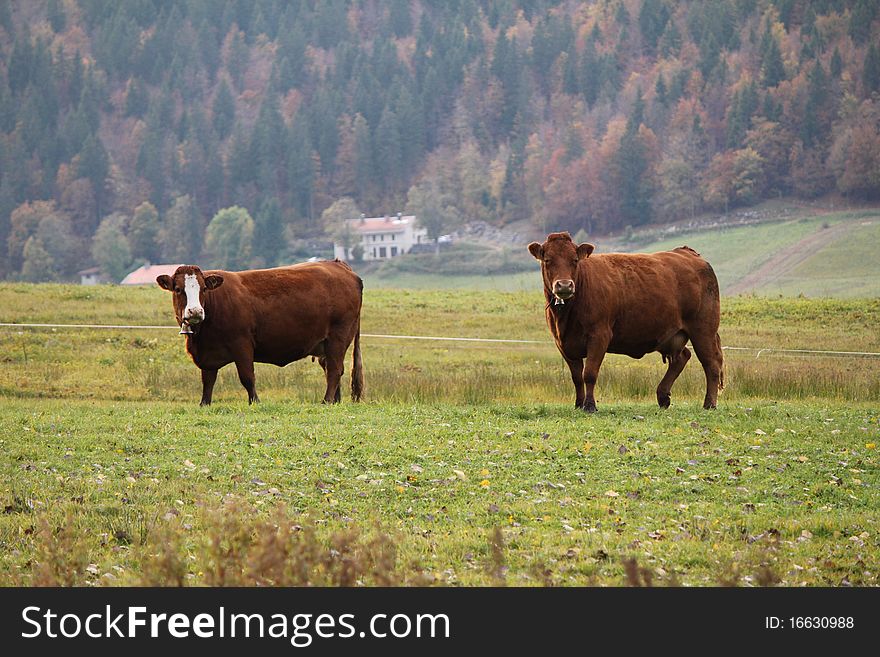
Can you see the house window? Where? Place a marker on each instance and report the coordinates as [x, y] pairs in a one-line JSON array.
[[381, 238], [392, 237], [393, 251], [374, 251], [381, 251]]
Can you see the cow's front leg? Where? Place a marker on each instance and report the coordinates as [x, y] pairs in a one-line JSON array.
[[209, 377], [576, 366], [596, 349]]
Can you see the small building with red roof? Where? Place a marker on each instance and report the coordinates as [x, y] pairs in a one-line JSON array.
[[146, 275]]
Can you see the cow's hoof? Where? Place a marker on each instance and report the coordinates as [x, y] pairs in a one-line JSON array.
[[663, 400], [589, 407], [709, 407]]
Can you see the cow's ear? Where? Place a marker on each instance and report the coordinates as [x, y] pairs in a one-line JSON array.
[[584, 250], [536, 250], [213, 281], [165, 282]]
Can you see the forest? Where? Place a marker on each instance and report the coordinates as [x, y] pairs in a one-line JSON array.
[[226, 131]]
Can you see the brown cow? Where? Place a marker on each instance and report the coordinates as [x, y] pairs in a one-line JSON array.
[[270, 316], [630, 304]]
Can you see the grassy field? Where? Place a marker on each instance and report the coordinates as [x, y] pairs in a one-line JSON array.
[[467, 464]]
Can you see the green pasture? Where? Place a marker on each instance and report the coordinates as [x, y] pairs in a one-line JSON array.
[[466, 465]]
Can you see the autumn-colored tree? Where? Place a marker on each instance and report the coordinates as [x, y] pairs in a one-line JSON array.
[[773, 143], [855, 151]]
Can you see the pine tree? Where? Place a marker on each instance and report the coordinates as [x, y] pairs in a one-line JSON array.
[[57, 17], [632, 165], [772, 67], [300, 174], [871, 71], [400, 17], [268, 237], [223, 110]]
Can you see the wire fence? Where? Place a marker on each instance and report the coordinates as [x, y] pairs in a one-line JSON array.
[[759, 351]]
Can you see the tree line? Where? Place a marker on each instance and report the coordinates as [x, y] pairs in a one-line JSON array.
[[128, 130]]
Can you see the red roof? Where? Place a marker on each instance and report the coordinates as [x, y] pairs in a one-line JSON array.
[[146, 275], [382, 225]]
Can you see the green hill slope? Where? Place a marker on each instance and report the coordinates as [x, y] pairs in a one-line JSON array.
[[833, 255]]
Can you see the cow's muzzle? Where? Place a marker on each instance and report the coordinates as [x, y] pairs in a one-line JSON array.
[[563, 289], [194, 316]]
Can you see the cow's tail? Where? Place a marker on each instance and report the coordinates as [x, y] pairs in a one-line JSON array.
[[357, 367], [721, 355]]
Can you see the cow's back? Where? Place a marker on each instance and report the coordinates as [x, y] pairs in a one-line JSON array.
[[645, 297]]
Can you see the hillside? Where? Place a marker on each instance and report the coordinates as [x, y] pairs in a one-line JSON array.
[[127, 127], [827, 255]]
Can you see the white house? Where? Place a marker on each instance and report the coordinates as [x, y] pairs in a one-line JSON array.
[[90, 276], [382, 237]]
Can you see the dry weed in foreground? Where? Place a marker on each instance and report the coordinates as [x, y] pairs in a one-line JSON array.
[[237, 546]]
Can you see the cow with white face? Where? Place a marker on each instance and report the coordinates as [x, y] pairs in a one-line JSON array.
[[189, 285], [275, 316]]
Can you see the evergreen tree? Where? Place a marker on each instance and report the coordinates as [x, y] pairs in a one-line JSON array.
[[57, 17], [268, 238], [300, 174], [653, 16], [813, 127], [223, 110], [772, 67], [237, 59], [861, 17], [400, 17], [836, 64], [94, 164], [632, 165], [871, 71]]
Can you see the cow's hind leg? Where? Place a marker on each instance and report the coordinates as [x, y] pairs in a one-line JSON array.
[[338, 396], [708, 350], [245, 367], [209, 377], [676, 365], [333, 368]]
